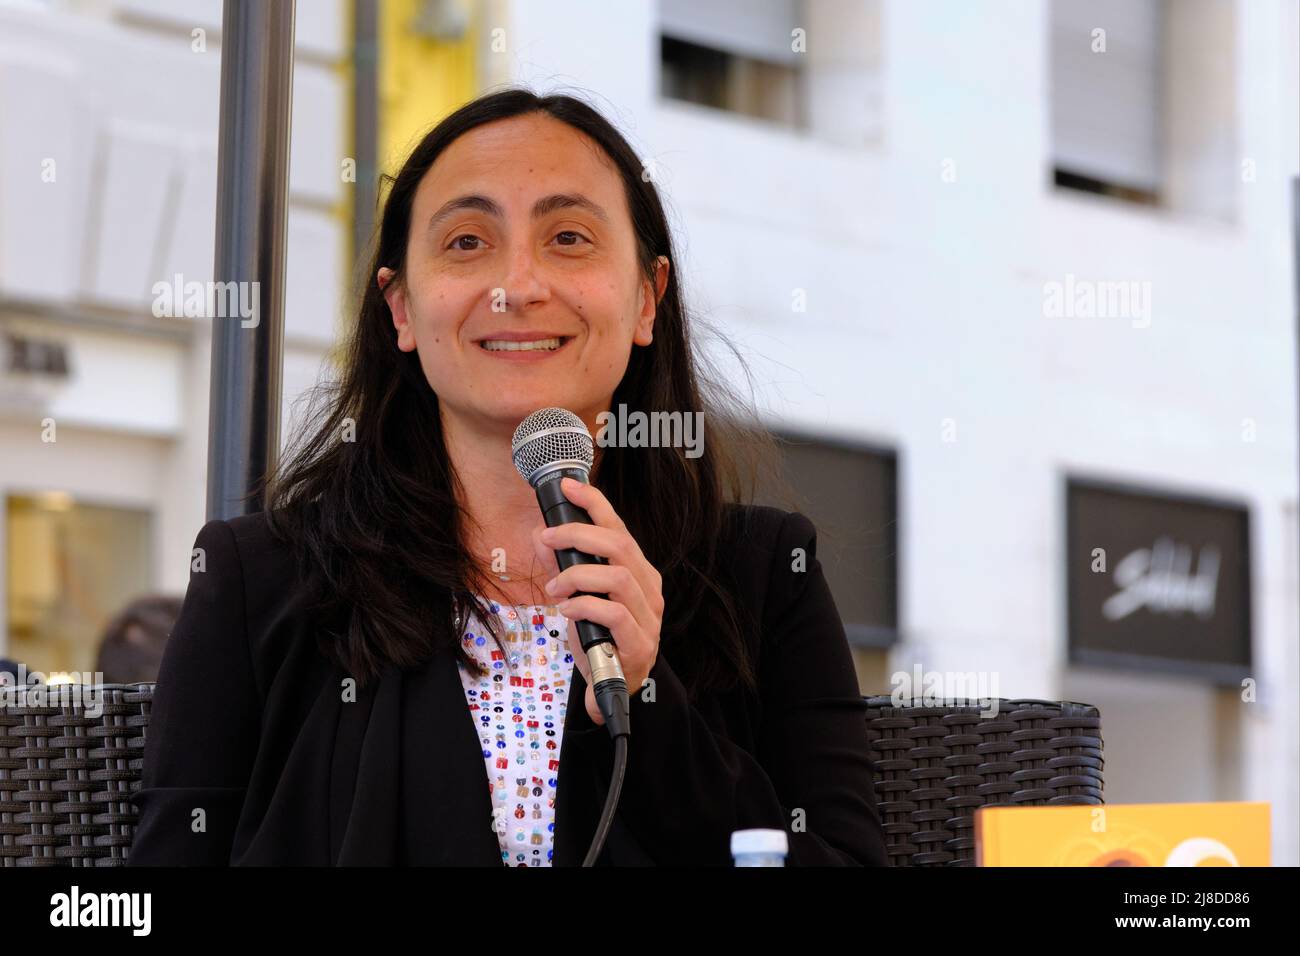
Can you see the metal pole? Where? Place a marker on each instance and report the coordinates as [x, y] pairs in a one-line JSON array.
[[1295, 249], [365, 126], [252, 190]]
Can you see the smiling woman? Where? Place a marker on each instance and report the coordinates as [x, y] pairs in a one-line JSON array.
[[530, 256], [314, 695]]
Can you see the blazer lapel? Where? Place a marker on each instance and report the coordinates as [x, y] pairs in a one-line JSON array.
[[446, 807], [363, 793], [408, 783], [573, 813]]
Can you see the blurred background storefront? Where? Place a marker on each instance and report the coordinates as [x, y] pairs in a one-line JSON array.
[[1016, 281]]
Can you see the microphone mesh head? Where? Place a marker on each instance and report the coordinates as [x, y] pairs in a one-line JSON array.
[[551, 435]]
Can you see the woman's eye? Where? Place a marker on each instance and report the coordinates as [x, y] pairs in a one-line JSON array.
[[456, 243], [571, 233]]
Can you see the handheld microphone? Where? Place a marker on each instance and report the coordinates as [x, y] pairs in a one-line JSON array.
[[548, 445]]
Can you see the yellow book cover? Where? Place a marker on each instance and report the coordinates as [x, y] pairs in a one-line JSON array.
[[1146, 834]]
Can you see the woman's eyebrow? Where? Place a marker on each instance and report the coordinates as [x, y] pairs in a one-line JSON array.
[[546, 204]]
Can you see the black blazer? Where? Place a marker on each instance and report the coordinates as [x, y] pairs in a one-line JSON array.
[[249, 725]]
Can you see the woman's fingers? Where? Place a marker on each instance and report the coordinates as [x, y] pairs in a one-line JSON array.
[[615, 616], [592, 500], [616, 547], [628, 552], [636, 647], [605, 542], [616, 581]]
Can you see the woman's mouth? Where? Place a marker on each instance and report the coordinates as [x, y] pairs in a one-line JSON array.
[[533, 345], [501, 345]]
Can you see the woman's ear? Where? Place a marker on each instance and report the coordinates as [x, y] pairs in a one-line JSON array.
[[395, 296], [645, 321]]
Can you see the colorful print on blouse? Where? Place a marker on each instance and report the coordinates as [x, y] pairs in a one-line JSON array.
[[518, 706]]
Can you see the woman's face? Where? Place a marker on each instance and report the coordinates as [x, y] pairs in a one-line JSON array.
[[521, 241]]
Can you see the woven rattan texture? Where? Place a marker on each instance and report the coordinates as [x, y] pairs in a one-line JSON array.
[[936, 765]]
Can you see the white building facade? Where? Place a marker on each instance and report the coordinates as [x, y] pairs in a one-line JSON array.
[[912, 213]]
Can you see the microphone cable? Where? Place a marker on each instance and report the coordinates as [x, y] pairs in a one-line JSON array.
[[615, 706], [611, 801]]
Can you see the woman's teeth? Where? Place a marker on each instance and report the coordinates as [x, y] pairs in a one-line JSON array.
[[501, 345]]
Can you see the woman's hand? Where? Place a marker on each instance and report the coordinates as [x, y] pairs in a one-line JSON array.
[[634, 610]]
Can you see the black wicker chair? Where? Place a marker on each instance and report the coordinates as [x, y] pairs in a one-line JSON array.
[[935, 766], [66, 777]]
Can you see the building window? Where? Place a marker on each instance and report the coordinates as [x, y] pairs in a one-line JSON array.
[[849, 493], [72, 567], [1143, 102], [734, 56]]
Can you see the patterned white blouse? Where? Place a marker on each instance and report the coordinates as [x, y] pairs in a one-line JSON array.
[[518, 707]]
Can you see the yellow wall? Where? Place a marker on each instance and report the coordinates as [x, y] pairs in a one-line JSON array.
[[420, 80]]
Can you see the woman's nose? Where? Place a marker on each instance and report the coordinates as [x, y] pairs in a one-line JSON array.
[[523, 282]]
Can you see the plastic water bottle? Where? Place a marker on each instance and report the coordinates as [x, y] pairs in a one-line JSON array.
[[759, 847]]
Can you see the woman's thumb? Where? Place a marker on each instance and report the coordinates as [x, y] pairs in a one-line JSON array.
[[544, 554]]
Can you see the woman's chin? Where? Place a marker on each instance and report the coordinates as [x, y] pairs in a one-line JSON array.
[[512, 413], [506, 411]]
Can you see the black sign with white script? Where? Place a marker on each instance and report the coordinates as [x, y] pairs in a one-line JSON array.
[[1158, 581]]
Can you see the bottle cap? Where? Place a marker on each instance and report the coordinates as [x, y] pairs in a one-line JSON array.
[[759, 841]]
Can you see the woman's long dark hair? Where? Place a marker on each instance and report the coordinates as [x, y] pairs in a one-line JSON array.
[[369, 500]]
